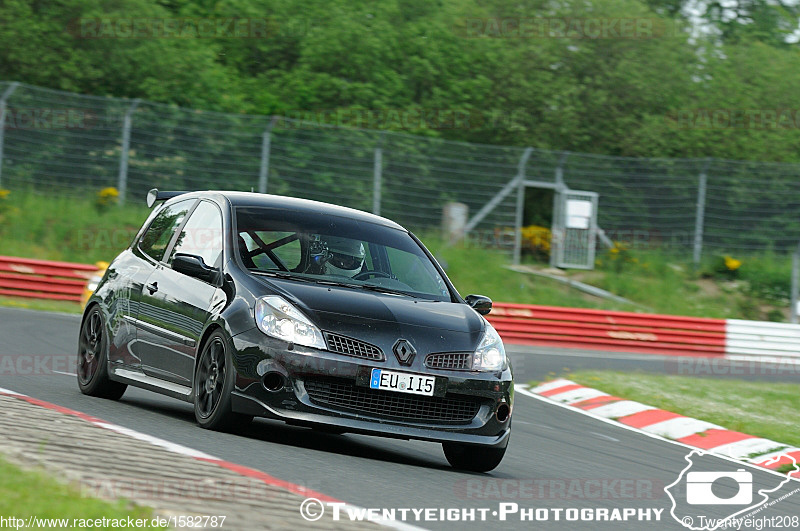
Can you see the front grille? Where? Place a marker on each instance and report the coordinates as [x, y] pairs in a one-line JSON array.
[[389, 404], [450, 360], [353, 347]]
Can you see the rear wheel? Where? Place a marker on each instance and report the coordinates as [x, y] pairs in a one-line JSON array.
[[473, 458], [213, 384], [92, 367]]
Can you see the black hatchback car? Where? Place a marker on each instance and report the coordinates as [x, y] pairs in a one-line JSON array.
[[318, 315]]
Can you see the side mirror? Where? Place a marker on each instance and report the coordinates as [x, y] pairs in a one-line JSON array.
[[194, 266], [479, 303]]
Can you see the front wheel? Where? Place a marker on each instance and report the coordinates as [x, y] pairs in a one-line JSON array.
[[213, 384], [473, 458], [92, 367]]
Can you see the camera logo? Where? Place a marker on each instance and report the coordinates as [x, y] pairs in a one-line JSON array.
[[699, 488], [715, 492]]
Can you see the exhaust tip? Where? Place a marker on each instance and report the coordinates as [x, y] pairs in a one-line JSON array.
[[273, 382], [503, 411]]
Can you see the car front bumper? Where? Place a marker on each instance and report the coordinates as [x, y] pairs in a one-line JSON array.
[[348, 404]]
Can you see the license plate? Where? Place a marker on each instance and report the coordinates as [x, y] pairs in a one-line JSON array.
[[402, 382]]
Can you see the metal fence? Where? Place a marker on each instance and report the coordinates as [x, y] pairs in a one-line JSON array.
[[66, 143]]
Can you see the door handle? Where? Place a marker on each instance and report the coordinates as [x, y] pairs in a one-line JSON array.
[[152, 288]]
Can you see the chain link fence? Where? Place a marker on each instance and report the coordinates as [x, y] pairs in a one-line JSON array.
[[64, 143]]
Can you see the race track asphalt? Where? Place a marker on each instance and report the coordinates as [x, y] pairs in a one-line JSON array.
[[549, 444]]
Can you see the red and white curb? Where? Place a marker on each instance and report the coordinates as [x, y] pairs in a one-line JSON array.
[[665, 424], [201, 456]]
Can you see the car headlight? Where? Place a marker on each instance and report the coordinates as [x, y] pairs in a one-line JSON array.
[[490, 354], [279, 319]]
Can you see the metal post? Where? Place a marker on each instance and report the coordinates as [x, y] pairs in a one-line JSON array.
[[377, 177], [700, 216], [555, 225], [795, 283], [523, 161], [122, 181], [266, 146], [377, 174], [7, 94]]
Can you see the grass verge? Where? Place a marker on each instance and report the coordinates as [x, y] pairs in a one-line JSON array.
[[41, 305], [73, 229], [655, 282], [84, 229], [25, 493], [762, 409]]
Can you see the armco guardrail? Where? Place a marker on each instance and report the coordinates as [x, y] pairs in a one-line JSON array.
[[646, 333], [42, 279], [605, 330], [516, 323], [762, 340]]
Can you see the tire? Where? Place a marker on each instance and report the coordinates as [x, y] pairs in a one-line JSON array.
[[473, 458], [92, 366], [213, 384]]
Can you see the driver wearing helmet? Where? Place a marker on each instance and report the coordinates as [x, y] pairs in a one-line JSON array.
[[345, 256]]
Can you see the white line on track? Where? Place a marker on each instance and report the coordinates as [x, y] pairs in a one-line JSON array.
[[603, 436], [197, 454], [66, 373], [524, 391]]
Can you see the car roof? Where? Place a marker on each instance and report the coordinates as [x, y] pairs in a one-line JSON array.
[[250, 199]]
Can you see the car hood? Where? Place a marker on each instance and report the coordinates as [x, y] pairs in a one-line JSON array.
[[372, 316]]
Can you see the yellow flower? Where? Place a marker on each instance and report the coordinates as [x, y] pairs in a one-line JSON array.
[[106, 198], [4, 193], [732, 263], [538, 237], [108, 193]]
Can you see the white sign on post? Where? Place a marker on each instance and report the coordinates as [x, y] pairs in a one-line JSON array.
[[579, 214]]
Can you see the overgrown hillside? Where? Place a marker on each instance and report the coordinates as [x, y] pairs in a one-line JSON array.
[[530, 73]]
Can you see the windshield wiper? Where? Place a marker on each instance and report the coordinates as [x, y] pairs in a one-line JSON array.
[[382, 289], [337, 283], [370, 287], [279, 274], [325, 282]]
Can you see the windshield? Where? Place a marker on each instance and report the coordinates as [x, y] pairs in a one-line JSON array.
[[332, 249]]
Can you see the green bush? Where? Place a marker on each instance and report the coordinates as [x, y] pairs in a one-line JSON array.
[[723, 267], [768, 277]]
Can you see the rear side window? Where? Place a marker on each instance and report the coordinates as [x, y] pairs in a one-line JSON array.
[[154, 242]]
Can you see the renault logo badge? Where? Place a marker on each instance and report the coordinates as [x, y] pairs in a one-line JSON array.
[[404, 351]]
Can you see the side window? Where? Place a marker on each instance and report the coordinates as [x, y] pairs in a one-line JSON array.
[[154, 242], [202, 235]]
